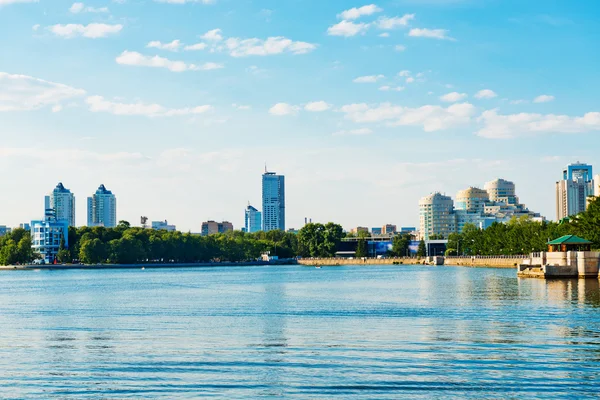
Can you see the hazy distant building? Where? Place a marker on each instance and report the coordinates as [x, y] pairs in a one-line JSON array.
[[376, 231], [102, 208], [213, 227], [25, 226], [436, 216], [389, 229], [597, 185], [47, 234], [163, 226], [4, 230], [252, 220], [273, 197], [62, 201], [358, 229], [573, 190]]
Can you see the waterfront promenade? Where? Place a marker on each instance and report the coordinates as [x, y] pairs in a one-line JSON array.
[[478, 261]]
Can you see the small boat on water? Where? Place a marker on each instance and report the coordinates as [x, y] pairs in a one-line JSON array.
[[318, 267]]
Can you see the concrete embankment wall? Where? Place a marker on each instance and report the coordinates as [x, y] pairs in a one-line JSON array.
[[329, 262], [498, 262], [144, 265]]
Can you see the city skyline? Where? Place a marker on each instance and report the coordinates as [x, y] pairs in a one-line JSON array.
[[375, 105]]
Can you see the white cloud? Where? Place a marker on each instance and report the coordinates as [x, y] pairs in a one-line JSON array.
[[282, 109], [23, 93], [241, 107], [391, 88], [497, 126], [273, 45], [347, 29], [317, 106], [368, 79], [520, 101], [99, 104], [355, 13], [7, 2], [77, 8], [384, 34], [400, 47], [36, 27], [545, 98], [354, 132], [453, 97], [410, 79], [197, 46], [404, 73], [213, 35], [134, 58], [441, 34], [172, 46], [485, 94], [389, 23], [430, 117], [92, 31]]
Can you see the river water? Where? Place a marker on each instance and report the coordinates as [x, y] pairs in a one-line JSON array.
[[297, 332]]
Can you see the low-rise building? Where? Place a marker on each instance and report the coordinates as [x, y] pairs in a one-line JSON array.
[[4, 230], [47, 234], [376, 231], [389, 229], [163, 226], [213, 227], [358, 229]]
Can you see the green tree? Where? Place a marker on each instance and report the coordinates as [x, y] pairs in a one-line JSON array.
[[401, 245], [361, 248], [421, 251], [92, 251], [63, 255]]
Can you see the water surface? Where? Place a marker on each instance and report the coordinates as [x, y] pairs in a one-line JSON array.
[[297, 332]]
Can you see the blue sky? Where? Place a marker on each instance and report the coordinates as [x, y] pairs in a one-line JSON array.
[[177, 105]]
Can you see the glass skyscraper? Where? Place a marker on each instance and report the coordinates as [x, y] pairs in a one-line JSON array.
[[273, 196], [253, 220]]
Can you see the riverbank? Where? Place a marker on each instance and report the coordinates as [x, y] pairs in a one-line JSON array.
[[336, 262]]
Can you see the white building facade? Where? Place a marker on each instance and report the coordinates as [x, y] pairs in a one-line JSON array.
[[436, 216], [47, 234], [62, 201], [273, 197], [102, 208]]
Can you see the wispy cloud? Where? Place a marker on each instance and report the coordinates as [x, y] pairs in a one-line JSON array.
[[441, 34], [357, 12], [100, 104], [133, 58], [92, 31]]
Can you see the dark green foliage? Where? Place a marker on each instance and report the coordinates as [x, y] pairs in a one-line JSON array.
[[15, 248], [400, 245], [361, 248], [318, 240], [421, 251]]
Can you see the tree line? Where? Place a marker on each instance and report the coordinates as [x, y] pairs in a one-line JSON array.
[[128, 245]]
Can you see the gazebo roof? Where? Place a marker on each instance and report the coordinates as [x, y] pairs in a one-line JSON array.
[[569, 239]]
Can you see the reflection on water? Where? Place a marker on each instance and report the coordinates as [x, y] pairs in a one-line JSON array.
[[377, 332]]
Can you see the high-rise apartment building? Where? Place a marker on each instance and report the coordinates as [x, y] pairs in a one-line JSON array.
[[253, 220], [436, 216], [573, 190], [102, 208], [273, 196], [597, 185], [62, 201]]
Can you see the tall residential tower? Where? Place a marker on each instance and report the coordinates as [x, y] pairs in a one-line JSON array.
[[273, 196], [573, 190], [62, 201], [102, 208]]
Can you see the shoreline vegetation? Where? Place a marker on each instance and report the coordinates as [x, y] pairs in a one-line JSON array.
[[127, 245]]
